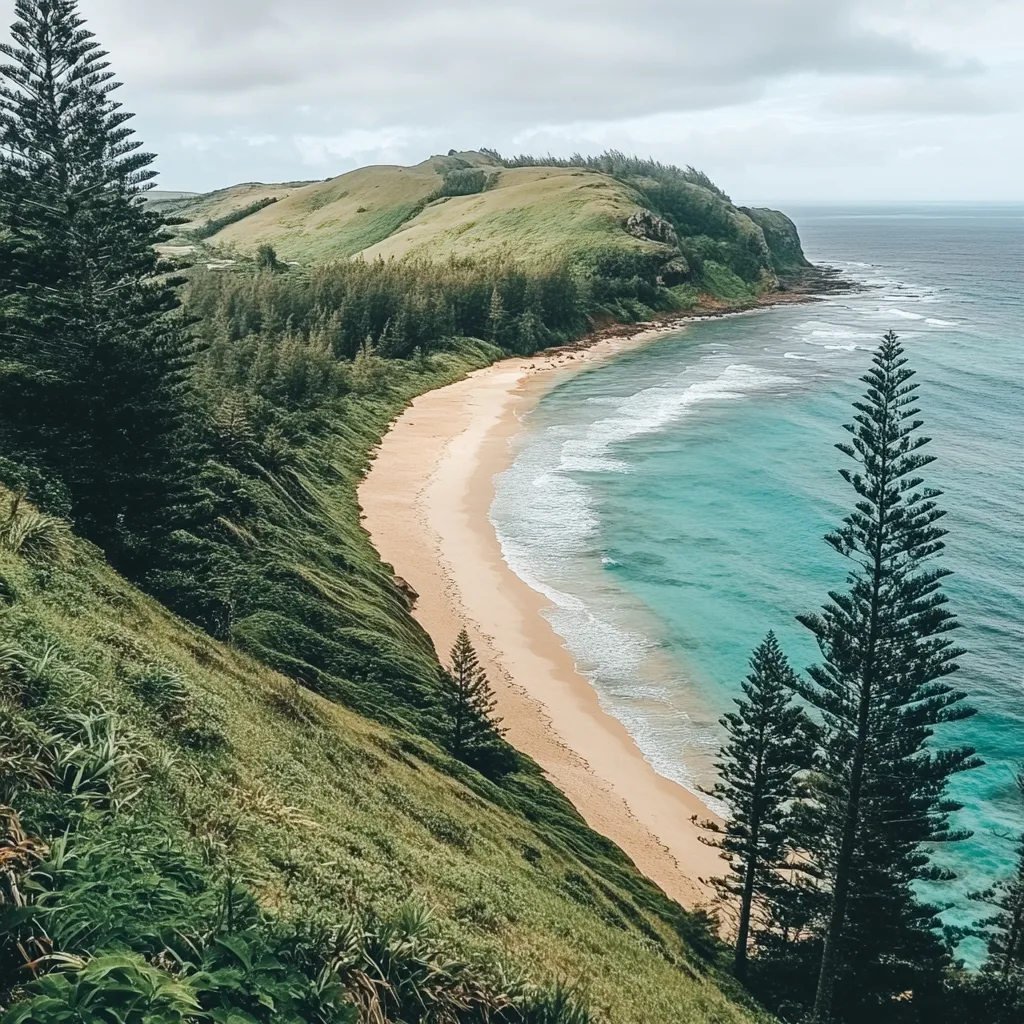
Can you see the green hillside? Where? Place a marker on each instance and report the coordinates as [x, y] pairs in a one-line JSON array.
[[198, 761], [234, 760], [609, 216], [237, 784]]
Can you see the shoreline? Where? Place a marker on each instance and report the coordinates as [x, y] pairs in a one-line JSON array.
[[425, 505]]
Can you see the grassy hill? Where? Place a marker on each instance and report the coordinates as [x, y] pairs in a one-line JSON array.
[[608, 216], [194, 759], [230, 782], [199, 209]]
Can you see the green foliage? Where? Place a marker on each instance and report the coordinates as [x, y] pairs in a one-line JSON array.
[[881, 692], [473, 729], [782, 239], [403, 307], [278, 867], [558, 1005], [732, 253], [266, 258], [211, 227], [770, 743], [377, 226], [25, 530], [1003, 930], [876, 802], [462, 181], [107, 988], [186, 835], [95, 364], [618, 165], [979, 997]]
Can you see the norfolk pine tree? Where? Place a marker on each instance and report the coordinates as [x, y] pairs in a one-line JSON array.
[[96, 365], [881, 692], [474, 731], [769, 744]]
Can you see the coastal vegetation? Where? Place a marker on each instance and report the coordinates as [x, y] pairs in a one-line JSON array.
[[669, 231], [235, 782], [225, 767], [859, 802], [474, 727], [211, 227], [770, 744]]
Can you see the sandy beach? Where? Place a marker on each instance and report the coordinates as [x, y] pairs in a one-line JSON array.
[[425, 504]]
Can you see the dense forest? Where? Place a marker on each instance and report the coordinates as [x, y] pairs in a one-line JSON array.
[[228, 754]]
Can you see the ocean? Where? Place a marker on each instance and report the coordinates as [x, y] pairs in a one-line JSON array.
[[672, 502]]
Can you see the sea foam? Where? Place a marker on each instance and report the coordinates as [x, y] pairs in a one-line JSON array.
[[653, 409]]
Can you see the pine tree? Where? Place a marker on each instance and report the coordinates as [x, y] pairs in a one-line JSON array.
[[1004, 930], [496, 317], [474, 731], [881, 692], [96, 379], [770, 743]]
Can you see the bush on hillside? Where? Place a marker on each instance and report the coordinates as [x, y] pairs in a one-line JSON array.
[[462, 181], [216, 224]]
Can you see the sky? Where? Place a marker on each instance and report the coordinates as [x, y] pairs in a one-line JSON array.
[[777, 100]]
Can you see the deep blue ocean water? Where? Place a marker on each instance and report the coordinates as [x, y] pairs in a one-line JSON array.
[[672, 502]]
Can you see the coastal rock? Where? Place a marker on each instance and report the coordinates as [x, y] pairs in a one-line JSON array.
[[676, 271], [648, 225], [407, 590]]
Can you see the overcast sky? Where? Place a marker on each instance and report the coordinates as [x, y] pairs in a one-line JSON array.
[[777, 100]]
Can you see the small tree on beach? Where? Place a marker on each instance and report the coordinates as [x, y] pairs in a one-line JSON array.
[[769, 744], [474, 730]]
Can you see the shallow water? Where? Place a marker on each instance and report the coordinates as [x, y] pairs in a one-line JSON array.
[[672, 502]]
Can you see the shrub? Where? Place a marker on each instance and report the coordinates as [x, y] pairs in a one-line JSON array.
[[211, 227], [462, 182], [32, 534], [107, 988]]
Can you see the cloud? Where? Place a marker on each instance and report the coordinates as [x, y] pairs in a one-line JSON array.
[[320, 150], [926, 96], [399, 60], [200, 143], [235, 89]]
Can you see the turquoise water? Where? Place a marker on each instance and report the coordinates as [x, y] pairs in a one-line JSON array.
[[672, 502]]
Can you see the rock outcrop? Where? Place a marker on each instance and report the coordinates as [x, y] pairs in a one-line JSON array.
[[676, 271], [648, 225]]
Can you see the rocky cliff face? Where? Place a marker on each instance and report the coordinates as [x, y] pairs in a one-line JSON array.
[[648, 225], [780, 233]]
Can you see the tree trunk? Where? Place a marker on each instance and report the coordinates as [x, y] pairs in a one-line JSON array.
[[822, 1012], [743, 934], [829, 953]]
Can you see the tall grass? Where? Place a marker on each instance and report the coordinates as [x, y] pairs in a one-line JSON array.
[[284, 874]]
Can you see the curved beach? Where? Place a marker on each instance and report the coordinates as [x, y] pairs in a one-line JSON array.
[[425, 504]]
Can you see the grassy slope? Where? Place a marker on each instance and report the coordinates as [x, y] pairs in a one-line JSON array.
[[328, 811], [536, 212], [339, 217], [198, 209], [538, 215], [336, 809], [532, 213]]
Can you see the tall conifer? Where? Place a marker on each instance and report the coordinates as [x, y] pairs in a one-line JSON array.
[[769, 744], [881, 692], [95, 376], [474, 730]]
